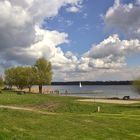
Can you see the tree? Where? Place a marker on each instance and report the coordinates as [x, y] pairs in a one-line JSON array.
[[136, 84], [10, 77], [43, 70], [18, 77], [21, 77], [1, 82], [31, 77]]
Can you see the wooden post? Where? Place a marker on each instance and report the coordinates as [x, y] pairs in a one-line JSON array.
[[98, 109]]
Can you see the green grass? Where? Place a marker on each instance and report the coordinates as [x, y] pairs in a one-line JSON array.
[[73, 120]]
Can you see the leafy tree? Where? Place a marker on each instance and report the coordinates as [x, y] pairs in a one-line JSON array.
[[10, 77], [136, 84], [21, 77], [31, 77], [1, 82], [43, 70]]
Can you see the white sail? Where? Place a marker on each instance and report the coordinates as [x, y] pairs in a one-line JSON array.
[[80, 85]]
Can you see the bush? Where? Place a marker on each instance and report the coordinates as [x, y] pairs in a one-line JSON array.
[[1, 80], [136, 84]]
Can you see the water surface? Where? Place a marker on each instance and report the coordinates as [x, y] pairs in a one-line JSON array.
[[105, 91]]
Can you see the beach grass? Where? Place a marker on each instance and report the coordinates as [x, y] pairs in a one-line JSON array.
[[72, 120]]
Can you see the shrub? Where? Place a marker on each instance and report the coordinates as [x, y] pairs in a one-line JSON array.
[[136, 84]]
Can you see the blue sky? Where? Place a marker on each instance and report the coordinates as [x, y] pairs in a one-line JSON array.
[[83, 39], [86, 27]]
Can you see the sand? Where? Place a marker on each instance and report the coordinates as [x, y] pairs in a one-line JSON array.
[[110, 101], [36, 90]]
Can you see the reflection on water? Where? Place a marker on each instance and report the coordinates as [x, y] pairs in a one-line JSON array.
[[97, 91]]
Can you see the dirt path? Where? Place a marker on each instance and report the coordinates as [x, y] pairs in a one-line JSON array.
[[110, 101], [26, 109]]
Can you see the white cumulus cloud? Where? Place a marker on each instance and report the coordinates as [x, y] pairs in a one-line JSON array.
[[21, 36], [112, 52], [73, 9], [124, 18]]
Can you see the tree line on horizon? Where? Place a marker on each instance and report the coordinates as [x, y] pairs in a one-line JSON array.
[[26, 76], [94, 83]]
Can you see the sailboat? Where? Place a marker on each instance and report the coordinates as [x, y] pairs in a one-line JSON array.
[[80, 85]]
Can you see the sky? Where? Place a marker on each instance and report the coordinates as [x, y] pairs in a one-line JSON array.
[[85, 40]]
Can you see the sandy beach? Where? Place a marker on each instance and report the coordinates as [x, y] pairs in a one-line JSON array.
[[36, 90], [109, 101]]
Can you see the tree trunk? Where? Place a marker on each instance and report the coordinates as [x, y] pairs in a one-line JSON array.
[[10, 87], [40, 89], [29, 89]]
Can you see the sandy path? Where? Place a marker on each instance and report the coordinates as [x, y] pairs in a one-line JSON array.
[[26, 109], [110, 101]]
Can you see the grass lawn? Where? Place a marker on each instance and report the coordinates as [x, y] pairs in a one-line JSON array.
[[72, 120]]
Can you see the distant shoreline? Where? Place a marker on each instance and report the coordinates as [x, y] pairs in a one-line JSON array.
[[93, 83]]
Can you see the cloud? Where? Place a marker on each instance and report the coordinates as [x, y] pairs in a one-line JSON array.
[[126, 73], [124, 18], [73, 9], [138, 2], [104, 61], [46, 46], [16, 28], [112, 52], [64, 23], [107, 60], [19, 18], [13, 16], [21, 36], [85, 15], [23, 40]]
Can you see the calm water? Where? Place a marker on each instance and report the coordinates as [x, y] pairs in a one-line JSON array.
[[97, 91]]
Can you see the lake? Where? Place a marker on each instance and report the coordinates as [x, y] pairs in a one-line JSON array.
[[97, 91]]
